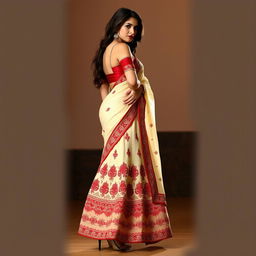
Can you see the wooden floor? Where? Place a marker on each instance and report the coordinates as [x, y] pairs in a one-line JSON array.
[[181, 215]]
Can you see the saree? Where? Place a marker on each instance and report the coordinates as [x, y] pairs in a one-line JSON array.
[[126, 201]]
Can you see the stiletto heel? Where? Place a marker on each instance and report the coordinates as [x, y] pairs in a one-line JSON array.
[[99, 244]]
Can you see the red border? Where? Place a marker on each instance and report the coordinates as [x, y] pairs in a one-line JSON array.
[[130, 242], [120, 129], [156, 197]]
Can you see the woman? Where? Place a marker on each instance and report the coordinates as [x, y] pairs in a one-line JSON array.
[[126, 202]]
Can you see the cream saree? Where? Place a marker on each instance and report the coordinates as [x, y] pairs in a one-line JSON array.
[[126, 200]]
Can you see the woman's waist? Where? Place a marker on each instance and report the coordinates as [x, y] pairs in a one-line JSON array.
[[121, 82], [113, 104], [115, 92]]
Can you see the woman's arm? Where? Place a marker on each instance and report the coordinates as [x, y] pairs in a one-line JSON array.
[[104, 90], [130, 73]]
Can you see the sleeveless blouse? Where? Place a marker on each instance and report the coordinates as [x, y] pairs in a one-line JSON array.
[[118, 75]]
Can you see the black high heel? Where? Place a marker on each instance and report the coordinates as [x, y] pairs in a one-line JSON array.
[[118, 246], [99, 244], [110, 243]]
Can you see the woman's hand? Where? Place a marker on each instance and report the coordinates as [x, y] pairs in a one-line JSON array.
[[132, 95]]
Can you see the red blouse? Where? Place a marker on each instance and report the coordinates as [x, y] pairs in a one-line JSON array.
[[118, 71]]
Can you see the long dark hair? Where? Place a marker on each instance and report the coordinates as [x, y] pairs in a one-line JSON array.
[[112, 27]]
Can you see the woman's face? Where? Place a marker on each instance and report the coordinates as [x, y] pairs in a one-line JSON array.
[[128, 30]]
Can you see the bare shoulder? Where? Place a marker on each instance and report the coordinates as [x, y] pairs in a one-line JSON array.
[[123, 50], [123, 46]]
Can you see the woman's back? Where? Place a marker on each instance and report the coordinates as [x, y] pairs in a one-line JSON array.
[[110, 58], [113, 53]]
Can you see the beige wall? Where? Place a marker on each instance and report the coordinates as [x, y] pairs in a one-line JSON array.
[[164, 51]]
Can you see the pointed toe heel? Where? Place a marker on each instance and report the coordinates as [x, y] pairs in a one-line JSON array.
[[120, 246], [110, 243]]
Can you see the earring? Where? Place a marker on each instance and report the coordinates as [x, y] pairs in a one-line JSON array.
[[115, 35]]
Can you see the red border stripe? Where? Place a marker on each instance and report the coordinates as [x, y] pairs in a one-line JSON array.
[[119, 131], [156, 197]]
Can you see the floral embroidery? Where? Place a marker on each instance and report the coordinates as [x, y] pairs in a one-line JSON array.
[[127, 137], [125, 208], [95, 185], [114, 190], [151, 125], [139, 189], [144, 223], [123, 170], [101, 220], [118, 132], [109, 207], [115, 154], [104, 188], [125, 236], [104, 170], [112, 172], [122, 187], [156, 152], [133, 172]]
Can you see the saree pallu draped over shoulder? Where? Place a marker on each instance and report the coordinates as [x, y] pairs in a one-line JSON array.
[[126, 200]]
